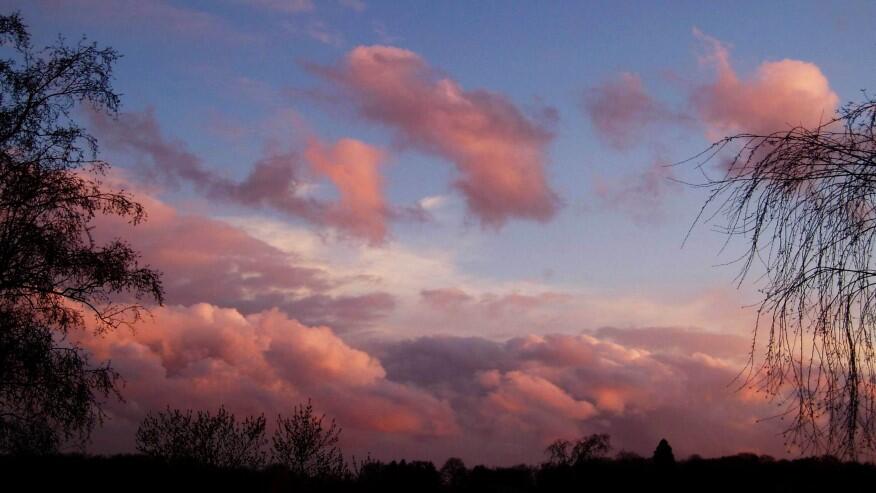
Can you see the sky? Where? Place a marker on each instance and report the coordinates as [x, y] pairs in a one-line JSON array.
[[460, 228]]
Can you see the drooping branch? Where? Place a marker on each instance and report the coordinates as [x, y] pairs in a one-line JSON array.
[[804, 201]]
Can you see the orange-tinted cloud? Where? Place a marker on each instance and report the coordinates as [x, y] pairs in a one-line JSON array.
[[277, 181], [205, 260], [520, 394], [499, 402], [203, 356], [352, 166], [780, 95], [500, 153]]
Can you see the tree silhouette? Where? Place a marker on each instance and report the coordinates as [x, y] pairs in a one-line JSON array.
[[564, 452], [203, 438], [804, 202], [309, 449], [453, 473], [52, 271], [663, 455]]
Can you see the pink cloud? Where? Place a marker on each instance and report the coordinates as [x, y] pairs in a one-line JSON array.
[[277, 181], [203, 356], [621, 109], [677, 340], [433, 397], [778, 96], [445, 298], [353, 168], [206, 260], [490, 303], [499, 153], [520, 394], [498, 402]]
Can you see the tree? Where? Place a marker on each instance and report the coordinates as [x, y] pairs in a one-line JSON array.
[[564, 452], [591, 447], [804, 203], [52, 271], [663, 455], [453, 473], [212, 439], [558, 452], [308, 448]]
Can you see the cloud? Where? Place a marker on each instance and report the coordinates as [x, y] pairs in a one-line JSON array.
[[640, 196], [621, 109], [503, 311], [778, 96], [353, 168], [499, 402], [445, 298], [278, 181], [203, 356], [144, 17], [519, 394], [678, 340], [500, 154], [206, 260], [317, 30], [282, 6]]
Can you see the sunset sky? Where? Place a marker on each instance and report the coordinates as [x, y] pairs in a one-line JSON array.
[[454, 225]]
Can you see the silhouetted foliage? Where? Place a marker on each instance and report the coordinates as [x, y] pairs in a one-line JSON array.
[[559, 452], [203, 438], [306, 446], [52, 271], [453, 472], [417, 476], [741, 472], [627, 456], [804, 200], [663, 455], [564, 452]]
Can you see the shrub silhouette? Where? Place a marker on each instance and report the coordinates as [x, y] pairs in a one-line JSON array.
[[307, 447], [216, 440]]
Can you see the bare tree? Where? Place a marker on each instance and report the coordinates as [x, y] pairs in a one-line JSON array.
[[203, 438], [310, 449], [53, 273], [564, 452], [804, 202]]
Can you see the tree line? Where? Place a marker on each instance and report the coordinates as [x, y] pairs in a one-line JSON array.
[[303, 442], [307, 444], [184, 450]]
